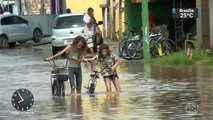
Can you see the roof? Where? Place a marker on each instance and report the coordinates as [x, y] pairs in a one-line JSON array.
[[7, 14], [70, 14]]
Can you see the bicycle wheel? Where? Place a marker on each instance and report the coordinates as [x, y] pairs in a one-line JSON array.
[[139, 51], [131, 49], [122, 49], [159, 49], [62, 89], [91, 88], [54, 88], [171, 46], [134, 49]]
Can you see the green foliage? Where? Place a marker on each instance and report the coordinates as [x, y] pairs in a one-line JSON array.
[[180, 58], [208, 61], [118, 35]]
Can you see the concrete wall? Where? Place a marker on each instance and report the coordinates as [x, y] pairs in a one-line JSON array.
[[205, 24], [34, 6], [211, 22], [44, 20], [83, 5]]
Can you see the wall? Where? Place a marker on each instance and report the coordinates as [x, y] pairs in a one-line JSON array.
[[161, 12], [83, 5], [133, 15], [34, 6], [211, 23], [44, 20]]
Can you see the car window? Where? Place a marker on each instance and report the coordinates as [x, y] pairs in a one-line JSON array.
[[13, 20], [69, 22], [19, 20], [7, 21]]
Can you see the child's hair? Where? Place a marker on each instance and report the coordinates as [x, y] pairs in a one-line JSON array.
[[102, 47], [77, 40]]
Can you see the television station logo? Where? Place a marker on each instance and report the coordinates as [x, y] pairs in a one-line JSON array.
[[192, 107], [185, 12]]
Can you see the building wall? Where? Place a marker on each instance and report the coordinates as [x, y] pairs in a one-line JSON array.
[[34, 6], [83, 5], [161, 13]]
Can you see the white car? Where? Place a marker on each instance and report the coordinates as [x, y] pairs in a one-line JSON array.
[[14, 28], [65, 28]]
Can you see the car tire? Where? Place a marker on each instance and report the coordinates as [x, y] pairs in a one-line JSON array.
[[37, 35], [13, 44], [95, 46], [54, 50], [21, 42], [3, 42], [100, 41]]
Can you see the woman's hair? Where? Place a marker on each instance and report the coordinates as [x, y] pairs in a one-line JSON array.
[[80, 39], [104, 47]]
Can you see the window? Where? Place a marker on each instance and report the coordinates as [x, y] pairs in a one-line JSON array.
[[18, 20], [70, 22], [7, 21], [13, 20]]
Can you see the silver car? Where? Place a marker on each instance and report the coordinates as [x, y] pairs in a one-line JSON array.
[[65, 28], [14, 28]]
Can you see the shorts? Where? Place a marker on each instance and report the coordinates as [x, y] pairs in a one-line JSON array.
[[111, 77], [89, 42]]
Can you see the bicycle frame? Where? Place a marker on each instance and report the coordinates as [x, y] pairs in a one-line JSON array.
[[92, 83], [157, 43], [93, 80], [57, 80]]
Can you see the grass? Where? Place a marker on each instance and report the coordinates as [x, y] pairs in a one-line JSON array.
[[180, 58]]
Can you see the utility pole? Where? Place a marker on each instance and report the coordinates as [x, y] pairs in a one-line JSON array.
[[42, 7], [145, 26], [113, 18], [8, 5]]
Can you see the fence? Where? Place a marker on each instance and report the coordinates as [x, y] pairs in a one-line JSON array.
[[45, 20]]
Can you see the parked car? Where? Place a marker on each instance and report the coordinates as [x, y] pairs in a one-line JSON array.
[[65, 28], [14, 28]]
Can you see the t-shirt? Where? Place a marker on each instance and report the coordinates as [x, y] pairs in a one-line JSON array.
[[73, 63], [87, 30], [106, 64]]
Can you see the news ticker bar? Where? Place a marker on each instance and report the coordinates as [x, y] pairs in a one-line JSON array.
[[185, 12]]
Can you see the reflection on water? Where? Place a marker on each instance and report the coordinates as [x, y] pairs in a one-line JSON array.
[[148, 92]]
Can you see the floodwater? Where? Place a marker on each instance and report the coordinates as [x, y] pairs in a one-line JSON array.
[[148, 92]]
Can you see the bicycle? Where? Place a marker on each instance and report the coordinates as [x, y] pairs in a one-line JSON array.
[[135, 48], [159, 43], [58, 76], [133, 34], [93, 80], [95, 34]]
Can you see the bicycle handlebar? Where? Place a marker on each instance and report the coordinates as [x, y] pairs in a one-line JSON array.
[[98, 71], [151, 34], [52, 61]]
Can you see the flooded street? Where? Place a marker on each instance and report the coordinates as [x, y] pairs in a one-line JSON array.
[[148, 92]]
